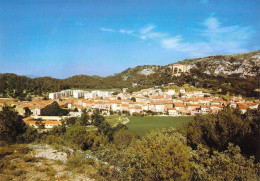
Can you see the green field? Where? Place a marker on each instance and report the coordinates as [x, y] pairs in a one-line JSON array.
[[142, 125]]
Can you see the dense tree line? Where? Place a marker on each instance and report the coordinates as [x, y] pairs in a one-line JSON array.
[[216, 131], [222, 84], [12, 85]]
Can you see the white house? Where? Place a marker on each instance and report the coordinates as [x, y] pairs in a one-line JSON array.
[[173, 112]]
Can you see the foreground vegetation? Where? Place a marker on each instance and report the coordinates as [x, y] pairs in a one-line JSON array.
[[210, 147]]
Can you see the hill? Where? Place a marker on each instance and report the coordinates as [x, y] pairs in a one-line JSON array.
[[245, 64], [234, 74]]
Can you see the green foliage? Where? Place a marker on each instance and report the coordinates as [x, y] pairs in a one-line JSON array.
[[75, 136], [53, 109], [28, 136], [78, 160], [158, 156], [228, 126], [109, 131], [226, 165], [100, 142], [222, 84], [123, 138], [83, 120], [215, 131], [12, 85], [79, 136], [11, 125], [70, 121], [97, 119], [58, 130], [39, 124], [250, 143]]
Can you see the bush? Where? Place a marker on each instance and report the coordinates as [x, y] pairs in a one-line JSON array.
[[79, 136], [11, 125], [226, 165], [123, 138], [216, 131], [28, 136], [100, 141], [158, 156]]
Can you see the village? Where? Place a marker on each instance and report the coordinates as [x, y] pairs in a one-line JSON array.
[[158, 101], [151, 101]]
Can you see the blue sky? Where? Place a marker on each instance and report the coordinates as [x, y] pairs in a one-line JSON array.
[[63, 38]]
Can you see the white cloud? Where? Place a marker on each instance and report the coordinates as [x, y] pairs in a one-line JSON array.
[[156, 35], [144, 33], [126, 31], [215, 38], [123, 31], [214, 30], [107, 29], [147, 29], [143, 37], [172, 43], [212, 23], [218, 40]]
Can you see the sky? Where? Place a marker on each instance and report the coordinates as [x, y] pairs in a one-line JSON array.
[[62, 38]]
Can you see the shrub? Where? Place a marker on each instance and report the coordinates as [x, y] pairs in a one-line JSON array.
[[158, 156], [123, 138], [28, 136], [79, 136], [226, 165], [11, 125], [216, 131]]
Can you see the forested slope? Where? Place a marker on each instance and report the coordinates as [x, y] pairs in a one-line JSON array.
[[234, 74]]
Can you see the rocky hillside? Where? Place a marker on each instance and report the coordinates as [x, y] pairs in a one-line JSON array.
[[214, 72], [245, 64]]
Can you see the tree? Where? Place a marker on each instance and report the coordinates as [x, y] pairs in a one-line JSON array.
[[158, 156], [83, 120], [133, 99], [11, 125], [79, 136], [227, 165], [70, 121], [44, 98], [28, 136], [216, 131], [123, 138], [27, 112], [97, 119], [115, 93], [53, 109], [39, 124], [250, 142]]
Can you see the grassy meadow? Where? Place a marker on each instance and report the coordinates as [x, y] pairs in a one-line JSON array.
[[143, 125]]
